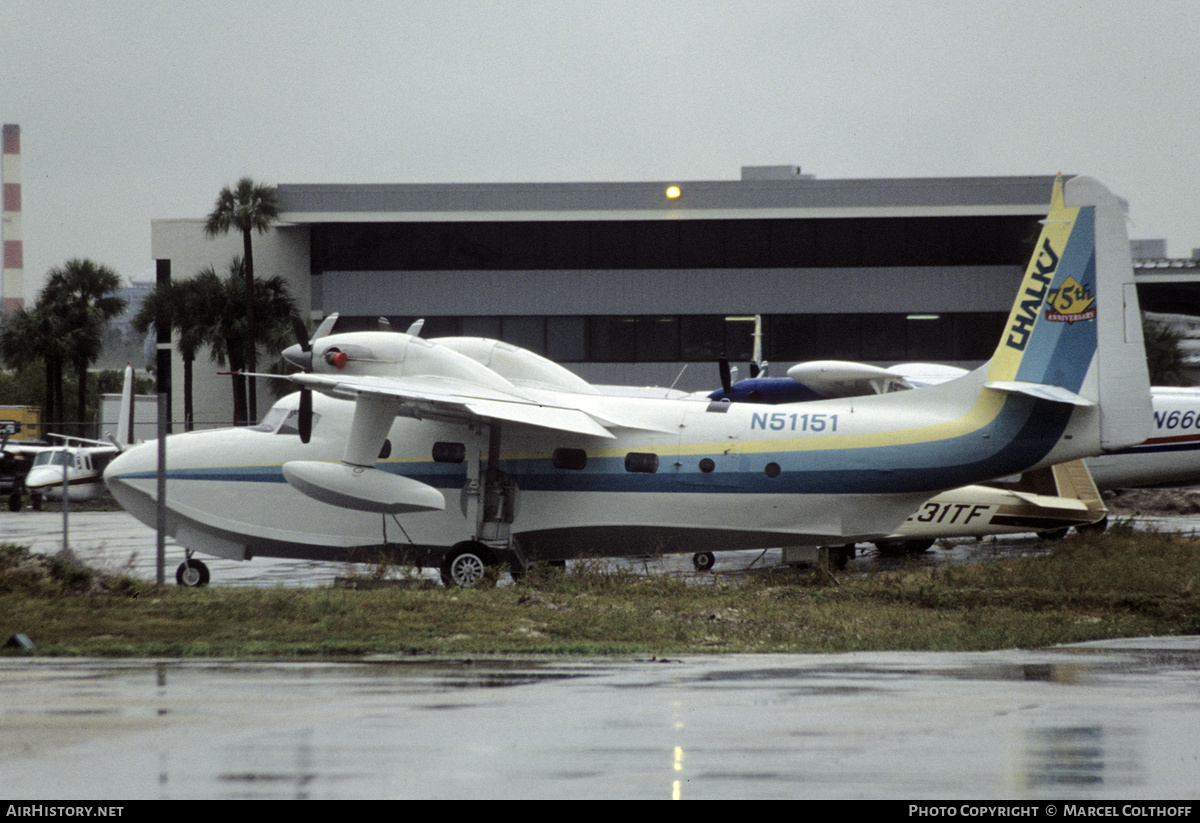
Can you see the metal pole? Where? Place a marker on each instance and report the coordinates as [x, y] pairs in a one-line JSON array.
[[161, 541], [66, 457], [162, 272]]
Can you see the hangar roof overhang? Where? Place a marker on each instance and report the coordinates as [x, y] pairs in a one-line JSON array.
[[308, 203]]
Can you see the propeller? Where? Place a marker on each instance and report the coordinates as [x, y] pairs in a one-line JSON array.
[[304, 424], [726, 374], [300, 354]]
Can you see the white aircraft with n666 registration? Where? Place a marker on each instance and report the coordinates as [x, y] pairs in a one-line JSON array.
[[464, 452]]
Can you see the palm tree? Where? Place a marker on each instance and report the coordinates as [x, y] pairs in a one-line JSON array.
[[182, 304], [36, 334], [222, 321], [64, 326], [1164, 357], [247, 207], [81, 295]]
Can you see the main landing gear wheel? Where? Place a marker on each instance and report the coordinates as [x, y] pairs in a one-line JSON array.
[[841, 555], [467, 566], [704, 561], [192, 573], [900, 548]]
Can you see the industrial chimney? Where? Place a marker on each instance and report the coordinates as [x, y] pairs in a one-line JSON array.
[[12, 278]]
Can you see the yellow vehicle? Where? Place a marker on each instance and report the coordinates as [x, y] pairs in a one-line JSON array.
[[21, 423]]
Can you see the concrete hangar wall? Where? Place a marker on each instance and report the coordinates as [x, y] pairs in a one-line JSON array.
[[628, 282]]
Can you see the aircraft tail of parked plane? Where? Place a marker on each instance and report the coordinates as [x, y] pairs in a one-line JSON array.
[[479, 452]]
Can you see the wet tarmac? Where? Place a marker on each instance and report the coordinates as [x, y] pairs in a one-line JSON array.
[[1100, 721], [1114, 720]]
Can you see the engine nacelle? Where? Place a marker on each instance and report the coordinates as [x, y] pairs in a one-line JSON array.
[[393, 354]]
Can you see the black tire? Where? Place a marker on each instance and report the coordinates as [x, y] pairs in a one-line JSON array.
[[1098, 527], [842, 555], [704, 561], [466, 566], [14, 502], [1054, 534], [192, 574], [901, 548]]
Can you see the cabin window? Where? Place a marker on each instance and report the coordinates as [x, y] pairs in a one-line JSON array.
[[282, 420], [55, 458], [449, 452], [570, 459], [772, 470], [291, 422], [641, 462], [707, 465], [271, 420]]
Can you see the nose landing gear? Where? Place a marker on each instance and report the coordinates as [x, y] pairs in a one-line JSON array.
[[191, 573]]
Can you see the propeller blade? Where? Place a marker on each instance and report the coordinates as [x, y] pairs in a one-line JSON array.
[[754, 370], [301, 332], [306, 415], [415, 328], [726, 375], [325, 328]]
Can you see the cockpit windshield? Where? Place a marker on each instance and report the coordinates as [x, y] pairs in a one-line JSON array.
[[282, 420], [54, 458]]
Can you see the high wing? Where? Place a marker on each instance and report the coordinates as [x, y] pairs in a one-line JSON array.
[[431, 397]]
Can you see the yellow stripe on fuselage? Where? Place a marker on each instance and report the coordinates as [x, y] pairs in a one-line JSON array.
[[987, 406]]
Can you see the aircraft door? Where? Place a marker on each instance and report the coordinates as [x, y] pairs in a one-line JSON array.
[[710, 450], [490, 495]]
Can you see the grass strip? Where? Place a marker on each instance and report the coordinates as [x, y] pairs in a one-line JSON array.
[[1120, 584]]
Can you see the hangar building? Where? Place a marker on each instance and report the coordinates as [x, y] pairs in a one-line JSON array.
[[631, 282]]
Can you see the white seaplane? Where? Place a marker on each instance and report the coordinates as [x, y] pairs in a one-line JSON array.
[[466, 453]]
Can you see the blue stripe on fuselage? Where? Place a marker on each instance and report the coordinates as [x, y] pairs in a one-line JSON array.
[[1026, 429]]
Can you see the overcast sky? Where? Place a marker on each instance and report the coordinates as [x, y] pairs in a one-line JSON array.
[[134, 111]]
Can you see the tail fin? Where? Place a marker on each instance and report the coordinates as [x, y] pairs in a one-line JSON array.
[[1074, 333], [125, 416]]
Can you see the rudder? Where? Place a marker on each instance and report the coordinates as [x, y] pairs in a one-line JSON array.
[[1074, 331]]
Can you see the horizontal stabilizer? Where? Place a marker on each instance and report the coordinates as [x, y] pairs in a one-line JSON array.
[[1046, 502], [1041, 391], [362, 489]]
